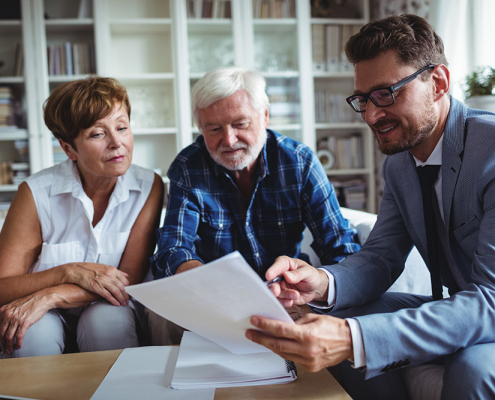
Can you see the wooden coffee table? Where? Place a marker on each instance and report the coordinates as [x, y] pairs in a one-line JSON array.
[[77, 376]]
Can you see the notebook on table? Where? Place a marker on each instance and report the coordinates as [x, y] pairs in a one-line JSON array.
[[204, 364]]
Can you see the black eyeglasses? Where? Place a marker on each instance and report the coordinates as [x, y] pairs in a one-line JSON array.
[[381, 97]]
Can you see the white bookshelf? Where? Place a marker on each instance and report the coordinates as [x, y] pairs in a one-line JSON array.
[[158, 53]]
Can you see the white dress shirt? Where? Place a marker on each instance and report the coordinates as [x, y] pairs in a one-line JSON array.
[[66, 213]]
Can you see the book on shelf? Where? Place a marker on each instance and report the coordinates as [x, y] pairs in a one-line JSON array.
[[19, 60], [351, 193], [347, 151], [274, 9], [71, 59], [318, 44], [6, 173], [332, 107], [328, 43], [11, 113], [208, 9]]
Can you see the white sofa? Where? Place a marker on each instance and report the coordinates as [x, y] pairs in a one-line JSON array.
[[423, 382]]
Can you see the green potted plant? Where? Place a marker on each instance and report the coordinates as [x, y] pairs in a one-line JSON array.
[[480, 89]]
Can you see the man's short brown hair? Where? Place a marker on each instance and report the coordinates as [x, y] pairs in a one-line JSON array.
[[77, 105], [411, 37]]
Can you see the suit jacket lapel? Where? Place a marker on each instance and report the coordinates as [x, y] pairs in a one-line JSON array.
[[453, 146]]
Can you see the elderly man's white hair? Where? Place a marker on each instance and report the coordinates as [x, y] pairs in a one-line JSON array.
[[220, 83]]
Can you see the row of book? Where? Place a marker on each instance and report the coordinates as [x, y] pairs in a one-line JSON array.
[[274, 9], [329, 45], [209, 9], [351, 193], [71, 59], [13, 172], [346, 152], [10, 109], [332, 107]]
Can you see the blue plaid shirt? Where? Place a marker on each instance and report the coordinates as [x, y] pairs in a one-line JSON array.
[[206, 216]]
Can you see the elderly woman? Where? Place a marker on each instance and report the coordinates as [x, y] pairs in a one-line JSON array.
[[77, 233]]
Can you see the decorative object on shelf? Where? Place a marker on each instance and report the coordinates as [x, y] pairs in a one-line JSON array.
[[333, 9], [480, 89], [326, 158]]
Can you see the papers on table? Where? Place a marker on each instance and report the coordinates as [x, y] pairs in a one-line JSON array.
[[145, 373], [215, 300], [204, 364]]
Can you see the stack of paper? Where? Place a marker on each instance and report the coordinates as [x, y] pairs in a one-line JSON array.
[[215, 300], [203, 364]]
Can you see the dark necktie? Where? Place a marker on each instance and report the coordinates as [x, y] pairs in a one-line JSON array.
[[427, 175]]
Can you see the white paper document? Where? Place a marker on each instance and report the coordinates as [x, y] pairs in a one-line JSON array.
[[145, 373], [204, 364], [215, 300]]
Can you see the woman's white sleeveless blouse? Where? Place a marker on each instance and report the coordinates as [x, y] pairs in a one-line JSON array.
[[66, 214]]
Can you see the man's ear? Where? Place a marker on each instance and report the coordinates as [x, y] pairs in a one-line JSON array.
[[267, 117], [68, 149], [441, 81]]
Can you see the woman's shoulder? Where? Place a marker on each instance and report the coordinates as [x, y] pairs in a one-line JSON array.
[[140, 173], [50, 175]]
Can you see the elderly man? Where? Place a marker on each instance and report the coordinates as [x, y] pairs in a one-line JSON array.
[[243, 187], [440, 197]]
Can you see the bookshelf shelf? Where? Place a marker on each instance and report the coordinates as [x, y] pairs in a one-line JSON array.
[[14, 134], [140, 26], [65, 78], [5, 80], [205, 22], [8, 188]]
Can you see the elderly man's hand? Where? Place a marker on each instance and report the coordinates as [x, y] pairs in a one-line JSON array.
[[314, 341], [302, 282]]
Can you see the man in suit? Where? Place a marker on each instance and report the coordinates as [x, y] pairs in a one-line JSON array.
[[401, 91]]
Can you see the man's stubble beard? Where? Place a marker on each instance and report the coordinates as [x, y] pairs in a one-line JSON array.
[[410, 137]]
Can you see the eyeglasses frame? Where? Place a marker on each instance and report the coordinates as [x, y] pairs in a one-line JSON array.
[[391, 89]]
